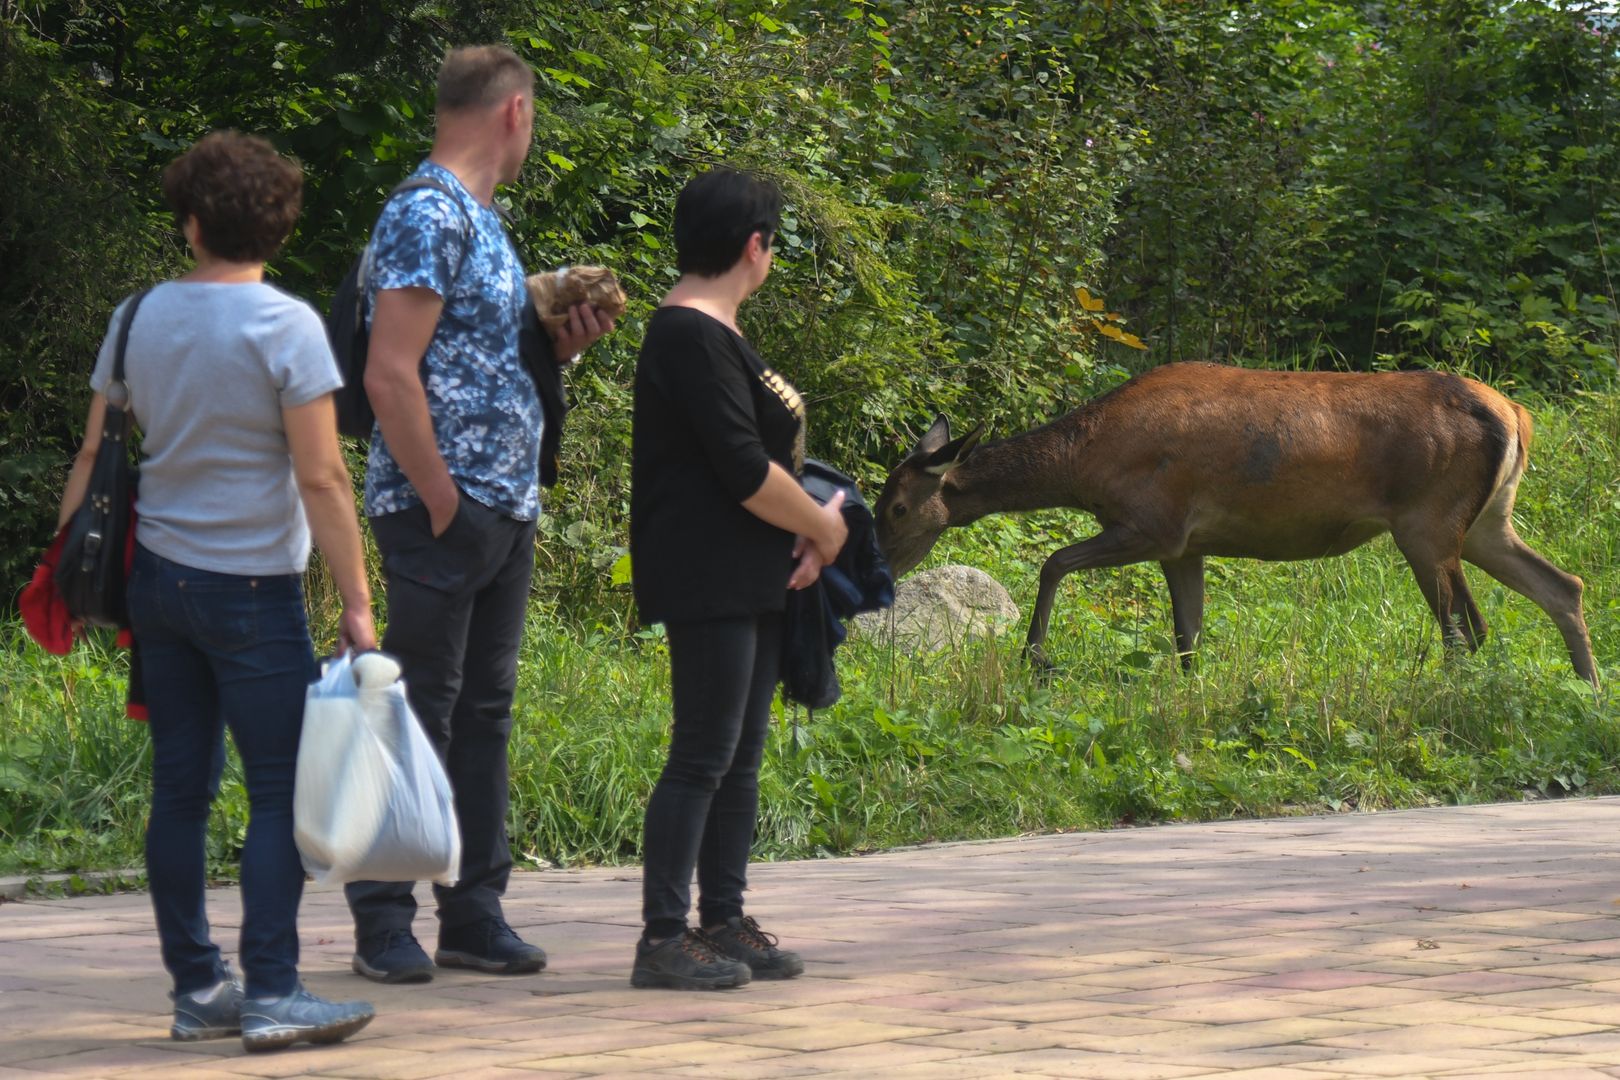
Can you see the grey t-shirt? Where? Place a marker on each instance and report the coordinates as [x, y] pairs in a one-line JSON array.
[[210, 367]]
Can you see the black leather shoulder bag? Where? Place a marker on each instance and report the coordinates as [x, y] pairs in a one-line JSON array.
[[90, 572]]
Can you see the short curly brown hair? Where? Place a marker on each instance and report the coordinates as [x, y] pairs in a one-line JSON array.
[[244, 195]]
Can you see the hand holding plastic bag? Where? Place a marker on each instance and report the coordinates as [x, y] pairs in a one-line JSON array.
[[372, 801]]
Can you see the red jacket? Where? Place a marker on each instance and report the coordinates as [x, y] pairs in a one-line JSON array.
[[48, 622]]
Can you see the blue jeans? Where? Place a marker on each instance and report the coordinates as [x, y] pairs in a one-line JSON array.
[[222, 650]]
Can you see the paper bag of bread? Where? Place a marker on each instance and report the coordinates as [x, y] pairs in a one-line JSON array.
[[556, 291]]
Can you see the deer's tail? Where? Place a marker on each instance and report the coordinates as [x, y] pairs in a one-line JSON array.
[[1518, 455]]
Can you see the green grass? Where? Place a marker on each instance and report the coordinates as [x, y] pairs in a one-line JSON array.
[[1320, 686]]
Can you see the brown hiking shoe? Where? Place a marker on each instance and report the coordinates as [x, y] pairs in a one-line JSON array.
[[687, 961], [742, 939]]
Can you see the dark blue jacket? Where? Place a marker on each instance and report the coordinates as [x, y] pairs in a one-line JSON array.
[[859, 581]]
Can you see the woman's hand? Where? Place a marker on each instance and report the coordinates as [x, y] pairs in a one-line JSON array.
[[810, 564], [355, 631], [830, 538]]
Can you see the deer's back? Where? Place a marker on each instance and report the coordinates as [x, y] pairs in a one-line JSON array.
[[1286, 465]]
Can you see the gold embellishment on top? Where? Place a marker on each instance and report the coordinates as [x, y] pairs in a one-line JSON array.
[[790, 399]]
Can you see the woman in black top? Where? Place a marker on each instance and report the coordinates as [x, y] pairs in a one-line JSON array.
[[719, 531]]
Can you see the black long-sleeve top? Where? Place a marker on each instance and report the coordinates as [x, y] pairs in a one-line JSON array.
[[709, 418]]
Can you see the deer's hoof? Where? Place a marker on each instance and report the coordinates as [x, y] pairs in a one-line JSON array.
[[1036, 657]]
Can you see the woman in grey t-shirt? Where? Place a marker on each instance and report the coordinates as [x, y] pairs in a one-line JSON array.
[[230, 382]]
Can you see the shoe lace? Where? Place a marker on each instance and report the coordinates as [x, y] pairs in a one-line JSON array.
[[496, 928], [700, 946], [392, 939], [749, 930]]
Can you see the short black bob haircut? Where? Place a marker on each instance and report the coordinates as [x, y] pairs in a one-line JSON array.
[[715, 214]]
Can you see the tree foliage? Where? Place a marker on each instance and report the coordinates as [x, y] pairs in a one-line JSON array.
[[989, 204]]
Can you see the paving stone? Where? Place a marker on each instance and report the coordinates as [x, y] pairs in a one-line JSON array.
[[876, 1059], [591, 1065], [1478, 983], [1065, 1062], [702, 1052], [1520, 1073], [956, 1069], [108, 1060], [388, 1063], [999, 1040], [830, 1036], [1461, 1011], [1271, 950], [1282, 1072], [1428, 1038], [1314, 979], [1327, 1002], [1402, 1065], [1232, 1011]]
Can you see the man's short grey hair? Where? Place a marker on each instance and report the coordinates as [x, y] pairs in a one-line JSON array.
[[475, 76]]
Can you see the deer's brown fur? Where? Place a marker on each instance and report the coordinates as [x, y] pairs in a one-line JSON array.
[[1191, 460]]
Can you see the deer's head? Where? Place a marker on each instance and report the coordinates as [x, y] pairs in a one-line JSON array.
[[911, 512]]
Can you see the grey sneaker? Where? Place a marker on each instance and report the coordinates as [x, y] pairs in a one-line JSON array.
[[300, 1017], [742, 939], [687, 961], [211, 1013]]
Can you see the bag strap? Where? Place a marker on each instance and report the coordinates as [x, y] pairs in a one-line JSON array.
[[118, 355], [416, 183]]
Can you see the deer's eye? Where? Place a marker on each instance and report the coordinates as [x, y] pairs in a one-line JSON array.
[[898, 510]]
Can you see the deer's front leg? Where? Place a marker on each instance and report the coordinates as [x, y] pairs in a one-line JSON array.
[[1185, 577], [1116, 545]]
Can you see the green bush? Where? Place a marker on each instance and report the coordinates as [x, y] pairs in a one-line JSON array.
[[1297, 181]]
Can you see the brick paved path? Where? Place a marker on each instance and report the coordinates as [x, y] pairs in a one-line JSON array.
[[1478, 942]]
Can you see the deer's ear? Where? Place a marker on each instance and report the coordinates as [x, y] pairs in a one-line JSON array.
[[953, 453], [938, 434]]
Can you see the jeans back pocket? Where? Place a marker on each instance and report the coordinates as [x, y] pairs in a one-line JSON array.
[[222, 609]]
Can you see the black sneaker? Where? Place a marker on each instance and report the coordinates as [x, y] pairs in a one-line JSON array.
[[742, 939], [488, 945], [392, 956], [687, 961]]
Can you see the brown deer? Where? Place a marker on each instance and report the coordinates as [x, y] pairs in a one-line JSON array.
[[1190, 460]]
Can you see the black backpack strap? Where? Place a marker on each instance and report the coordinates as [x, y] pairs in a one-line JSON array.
[[123, 345], [416, 183]]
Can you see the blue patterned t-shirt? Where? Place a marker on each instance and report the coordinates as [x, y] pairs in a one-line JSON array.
[[486, 413]]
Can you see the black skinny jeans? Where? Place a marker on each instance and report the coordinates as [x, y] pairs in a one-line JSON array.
[[723, 675], [456, 608]]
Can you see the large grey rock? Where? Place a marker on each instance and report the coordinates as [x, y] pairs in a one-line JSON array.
[[939, 607]]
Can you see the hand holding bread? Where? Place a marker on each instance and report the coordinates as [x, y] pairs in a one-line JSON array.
[[556, 291]]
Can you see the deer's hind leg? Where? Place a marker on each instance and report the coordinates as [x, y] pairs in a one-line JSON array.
[[1494, 547], [1437, 565]]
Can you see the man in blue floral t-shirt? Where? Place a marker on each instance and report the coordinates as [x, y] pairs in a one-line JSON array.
[[453, 491]]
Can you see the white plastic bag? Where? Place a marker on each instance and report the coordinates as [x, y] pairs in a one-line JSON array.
[[371, 801]]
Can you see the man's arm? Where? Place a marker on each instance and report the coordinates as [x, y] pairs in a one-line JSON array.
[[401, 329]]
